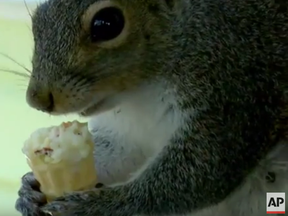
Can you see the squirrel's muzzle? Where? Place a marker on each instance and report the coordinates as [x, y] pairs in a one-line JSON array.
[[40, 98]]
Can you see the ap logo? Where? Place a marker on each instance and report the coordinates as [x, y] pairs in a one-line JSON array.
[[275, 203]]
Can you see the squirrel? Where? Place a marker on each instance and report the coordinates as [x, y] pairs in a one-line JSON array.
[[187, 103]]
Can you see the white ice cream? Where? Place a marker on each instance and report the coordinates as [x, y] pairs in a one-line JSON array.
[[70, 141]]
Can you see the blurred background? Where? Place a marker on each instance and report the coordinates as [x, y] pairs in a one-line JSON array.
[[17, 119]]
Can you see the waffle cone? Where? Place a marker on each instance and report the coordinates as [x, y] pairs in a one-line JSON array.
[[57, 179]]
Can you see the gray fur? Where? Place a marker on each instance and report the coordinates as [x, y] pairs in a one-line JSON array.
[[224, 61]]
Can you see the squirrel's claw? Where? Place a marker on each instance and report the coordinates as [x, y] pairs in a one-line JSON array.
[[88, 203], [58, 208], [28, 209], [69, 205]]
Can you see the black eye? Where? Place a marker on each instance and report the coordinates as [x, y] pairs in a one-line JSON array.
[[107, 24]]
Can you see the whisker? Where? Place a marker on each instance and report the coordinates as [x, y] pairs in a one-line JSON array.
[[28, 27], [27, 8], [15, 72], [38, 3], [16, 62], [22, 83], [21, 88]]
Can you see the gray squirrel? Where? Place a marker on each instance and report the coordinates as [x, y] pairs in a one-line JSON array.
[[187, 101]]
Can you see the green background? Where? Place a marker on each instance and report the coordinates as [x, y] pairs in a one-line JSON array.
[[17, 119]]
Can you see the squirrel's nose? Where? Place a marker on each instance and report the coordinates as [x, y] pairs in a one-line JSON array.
[[40, 100]]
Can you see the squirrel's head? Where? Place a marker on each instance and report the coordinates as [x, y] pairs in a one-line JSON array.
[[87, 51]]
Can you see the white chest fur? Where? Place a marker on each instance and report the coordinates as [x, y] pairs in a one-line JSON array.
[[146, 115], [141, 124]]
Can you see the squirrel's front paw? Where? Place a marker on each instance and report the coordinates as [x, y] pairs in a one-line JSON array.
[[58, 208], [30, 198], [74, 204]]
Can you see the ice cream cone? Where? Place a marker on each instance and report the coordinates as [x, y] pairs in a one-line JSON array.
[[62, 165]]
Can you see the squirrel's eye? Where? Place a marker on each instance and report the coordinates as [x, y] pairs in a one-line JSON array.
[[107, 24]]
